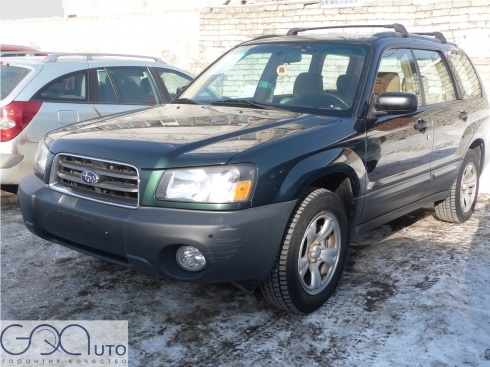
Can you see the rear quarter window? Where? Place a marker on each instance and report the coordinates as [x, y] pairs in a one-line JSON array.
[[67, 88], [470, 84], [10, 77]]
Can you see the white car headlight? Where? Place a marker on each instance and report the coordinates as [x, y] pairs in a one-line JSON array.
[[41, 158], [217, 184]]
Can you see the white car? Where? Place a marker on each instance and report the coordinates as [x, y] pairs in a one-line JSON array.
[[41, 93]]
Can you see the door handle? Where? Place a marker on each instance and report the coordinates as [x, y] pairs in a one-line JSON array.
[[421, 126], [464, 115]]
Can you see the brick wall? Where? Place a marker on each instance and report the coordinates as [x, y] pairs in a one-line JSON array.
[[192, 38], [465, 22]]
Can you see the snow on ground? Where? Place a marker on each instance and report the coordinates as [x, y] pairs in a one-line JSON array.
[[415, 292], [485, 180]]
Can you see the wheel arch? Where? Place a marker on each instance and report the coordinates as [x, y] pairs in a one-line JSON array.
[[341, 171], [479, 147]]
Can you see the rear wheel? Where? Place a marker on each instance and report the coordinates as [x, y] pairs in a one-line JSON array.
[[312, 256], [460, 204]]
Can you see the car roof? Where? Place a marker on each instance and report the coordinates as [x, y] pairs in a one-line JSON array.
[[55, 56], [399, 32], [20, 60], [46, 59]]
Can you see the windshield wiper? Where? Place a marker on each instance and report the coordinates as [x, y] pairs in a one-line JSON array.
[[184, 101], [240, 103]]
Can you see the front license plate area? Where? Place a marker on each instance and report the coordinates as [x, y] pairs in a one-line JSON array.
[[81, 230]]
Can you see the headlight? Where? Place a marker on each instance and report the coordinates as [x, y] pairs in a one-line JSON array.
[[218, 184], [41, 158]]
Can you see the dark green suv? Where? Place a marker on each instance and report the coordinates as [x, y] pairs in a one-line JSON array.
[[271, 162]]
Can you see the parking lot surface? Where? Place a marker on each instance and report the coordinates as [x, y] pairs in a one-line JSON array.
[[415, 292]]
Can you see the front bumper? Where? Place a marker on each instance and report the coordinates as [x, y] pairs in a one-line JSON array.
[[239, 246]]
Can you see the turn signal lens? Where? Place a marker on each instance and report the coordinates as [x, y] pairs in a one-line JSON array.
[[242, 190]]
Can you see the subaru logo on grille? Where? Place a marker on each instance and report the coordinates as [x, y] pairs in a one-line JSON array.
[[90, 177]]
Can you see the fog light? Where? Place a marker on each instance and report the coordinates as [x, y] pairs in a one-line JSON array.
[[190, 258]]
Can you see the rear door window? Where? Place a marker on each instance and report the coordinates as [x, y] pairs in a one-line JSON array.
[[104, 91], [341, 74], [435, 78], [10, 77], [333, 67], [134, 85], [286, 77]]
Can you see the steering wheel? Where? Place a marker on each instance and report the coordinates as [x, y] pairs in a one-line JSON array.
[[330, 101], [334, 101]]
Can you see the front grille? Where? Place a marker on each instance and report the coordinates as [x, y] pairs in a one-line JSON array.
[[99, 180]]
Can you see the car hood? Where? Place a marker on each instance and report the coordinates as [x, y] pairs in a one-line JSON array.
[[180, 135]]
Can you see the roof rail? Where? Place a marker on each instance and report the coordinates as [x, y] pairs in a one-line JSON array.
[[89, 56], [23, 53], [264, 36], [437, 35], [400, 28]]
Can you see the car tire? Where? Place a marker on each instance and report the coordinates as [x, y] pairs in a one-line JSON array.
[[460, 204], [311, 260]]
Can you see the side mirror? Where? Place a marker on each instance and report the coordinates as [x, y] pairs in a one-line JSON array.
[[397, 102], [181, 88]]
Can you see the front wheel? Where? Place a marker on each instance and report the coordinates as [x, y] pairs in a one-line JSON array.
[[460, 204], [312, 256]]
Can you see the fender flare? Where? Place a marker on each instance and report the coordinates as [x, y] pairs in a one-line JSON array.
[[313, 168]]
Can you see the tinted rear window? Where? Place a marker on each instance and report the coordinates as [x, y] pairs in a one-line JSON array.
[[10, 77]]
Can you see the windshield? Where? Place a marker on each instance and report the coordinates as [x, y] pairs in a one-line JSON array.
[[294, 76], [10, 77]]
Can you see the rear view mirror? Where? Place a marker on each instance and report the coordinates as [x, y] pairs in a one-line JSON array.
[[289, 57]]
